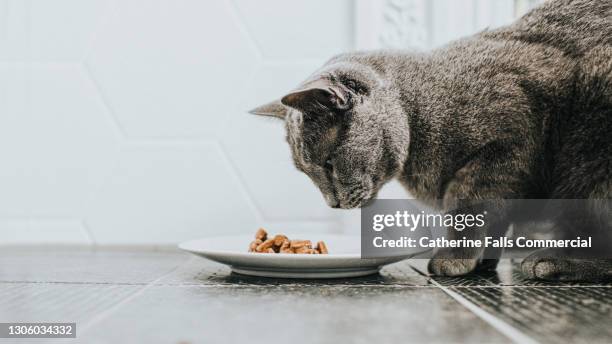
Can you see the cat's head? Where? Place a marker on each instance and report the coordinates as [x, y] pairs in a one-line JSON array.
[[345, 130]]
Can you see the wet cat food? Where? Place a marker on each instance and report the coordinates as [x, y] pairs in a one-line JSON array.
[[282, 244]]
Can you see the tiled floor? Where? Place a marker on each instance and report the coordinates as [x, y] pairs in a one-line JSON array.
[[120, 296]]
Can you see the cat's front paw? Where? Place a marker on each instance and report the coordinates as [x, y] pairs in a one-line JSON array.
[[545, 269], [459, 262], [451, 267], [555, 264]]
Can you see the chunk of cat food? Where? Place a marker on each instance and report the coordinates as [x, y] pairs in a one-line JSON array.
[[264, 246], [285, 247], [279, 239], [254, 244], [281, 244], [321, 247], [261, 234], [304, 250], [295, 244]]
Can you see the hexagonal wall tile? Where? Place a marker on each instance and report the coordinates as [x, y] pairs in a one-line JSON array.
[[49, 30], [164, 193], [258, 148], [172, 68], [57, 140], [299, 29], [14, 122], [13, 29], [4, 28], [64, 29], [42, 231]]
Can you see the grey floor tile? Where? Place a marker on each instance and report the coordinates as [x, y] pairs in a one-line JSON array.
[[292, 313], [121, 296], [549, 314], [42, 302], [86, 266]]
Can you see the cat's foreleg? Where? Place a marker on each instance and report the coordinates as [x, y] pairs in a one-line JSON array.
[[480, 186], [583, 218], [457, 261]]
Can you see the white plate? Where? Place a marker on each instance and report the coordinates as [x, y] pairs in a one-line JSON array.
[[344, 259]]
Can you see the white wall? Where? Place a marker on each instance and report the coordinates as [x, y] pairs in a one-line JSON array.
[[426, 24], [125, 121]]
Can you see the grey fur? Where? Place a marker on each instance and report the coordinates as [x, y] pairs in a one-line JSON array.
[[524, 111]]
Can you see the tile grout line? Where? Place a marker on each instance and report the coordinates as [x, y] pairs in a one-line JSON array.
[[501, 326], [238, 285], [224, 285], [104, 314]]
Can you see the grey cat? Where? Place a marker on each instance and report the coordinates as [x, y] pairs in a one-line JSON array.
[[523, 111]]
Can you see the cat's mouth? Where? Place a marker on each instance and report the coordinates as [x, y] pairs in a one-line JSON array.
[[356, 203], [356, 197]]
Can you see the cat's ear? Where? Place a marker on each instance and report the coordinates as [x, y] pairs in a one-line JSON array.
[[274, 109], [317, 94]]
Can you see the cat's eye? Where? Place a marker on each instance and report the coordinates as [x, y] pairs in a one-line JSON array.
[[328, 164], [352, 85]]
